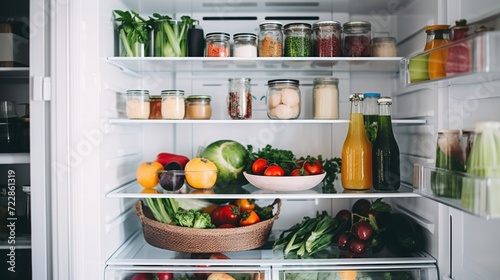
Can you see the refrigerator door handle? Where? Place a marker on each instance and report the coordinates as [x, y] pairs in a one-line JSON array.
[[41, 88]]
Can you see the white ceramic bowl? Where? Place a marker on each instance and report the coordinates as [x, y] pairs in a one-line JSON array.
[[284, 183]]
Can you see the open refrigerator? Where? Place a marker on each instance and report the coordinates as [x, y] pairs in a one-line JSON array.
[[84, 151]]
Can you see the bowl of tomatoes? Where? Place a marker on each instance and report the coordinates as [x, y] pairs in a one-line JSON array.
[[284, 183]]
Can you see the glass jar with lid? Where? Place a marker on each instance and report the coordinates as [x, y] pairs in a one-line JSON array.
[[239, 99], [245, 45], [271, 39], [384, 47], [283, 99], [437, 35], [327, 38], [356, 41], [198, 107], [138, 106], [155, 107], [298, 42], [326, 98], [172, 104], [217, 44]]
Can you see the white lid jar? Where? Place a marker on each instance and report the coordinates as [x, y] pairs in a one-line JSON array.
[[137, 104], [326, 98], [283, 99], [245, 45], [172, 104]]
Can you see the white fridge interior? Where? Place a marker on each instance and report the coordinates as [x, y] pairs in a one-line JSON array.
[[105, 147]]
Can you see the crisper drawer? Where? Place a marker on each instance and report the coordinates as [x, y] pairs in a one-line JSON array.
[[186, 273], [384, 272]]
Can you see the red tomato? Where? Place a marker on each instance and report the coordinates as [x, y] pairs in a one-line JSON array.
[[313, 168], [142, 276], [245, 204], [249, 217], [274, 170], [164, 276], [259, 165], [298, 172], [226, 214]]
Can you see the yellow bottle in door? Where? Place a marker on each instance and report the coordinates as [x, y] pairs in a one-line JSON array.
[[356, 169]]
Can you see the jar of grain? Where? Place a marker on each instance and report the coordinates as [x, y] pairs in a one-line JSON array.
[[298, 41], [172, 104], [326, 98], [155, 107], [198, 107], [384, 47], [327, 38], [245, 45], [137, 106], [283, 99], [271, 39]]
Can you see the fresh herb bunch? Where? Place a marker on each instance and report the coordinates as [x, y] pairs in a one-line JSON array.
[[134, 32], [332, 168]]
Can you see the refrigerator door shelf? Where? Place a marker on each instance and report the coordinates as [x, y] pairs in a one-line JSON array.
[[475, 195]]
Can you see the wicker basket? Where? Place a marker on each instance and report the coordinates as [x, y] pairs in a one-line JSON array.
[[192, 240]]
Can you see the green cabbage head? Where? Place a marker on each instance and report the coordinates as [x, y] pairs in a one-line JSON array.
[[230, 158]]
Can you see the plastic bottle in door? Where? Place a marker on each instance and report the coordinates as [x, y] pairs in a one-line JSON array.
[[386, 169], [356, 169]]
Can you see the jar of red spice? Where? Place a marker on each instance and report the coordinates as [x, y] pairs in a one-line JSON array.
[[327, 38], [239, 99], [155, 107], [357, 39], [217, 44]]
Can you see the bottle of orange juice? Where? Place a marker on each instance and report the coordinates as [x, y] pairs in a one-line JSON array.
[[356, 169]]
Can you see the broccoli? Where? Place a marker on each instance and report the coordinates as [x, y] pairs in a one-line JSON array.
[[194, 219]]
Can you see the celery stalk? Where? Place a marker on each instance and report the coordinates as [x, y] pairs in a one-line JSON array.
[[126, 45], [172, 38]]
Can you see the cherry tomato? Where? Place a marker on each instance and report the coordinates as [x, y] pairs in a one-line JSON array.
[[249, 217], [274, 170], [164, 276], [313, 168], [245, 204], [298, 172], [259, 165], [226, 214]]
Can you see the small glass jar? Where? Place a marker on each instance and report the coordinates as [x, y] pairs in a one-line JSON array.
[[239, 99], [172, 104], [271, 39], [217, 44], [138, 104], [327, 38], [356, 41], [283, 99], [155, 107], [198, 107], [326, 98], [384, 47], [245, 45], [298, 41]]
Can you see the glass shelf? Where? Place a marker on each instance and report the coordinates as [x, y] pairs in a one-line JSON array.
[[251, 121], [257, 64], [133, 190], [477, 62], [14, 72], [475, 195], [136, 251]]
